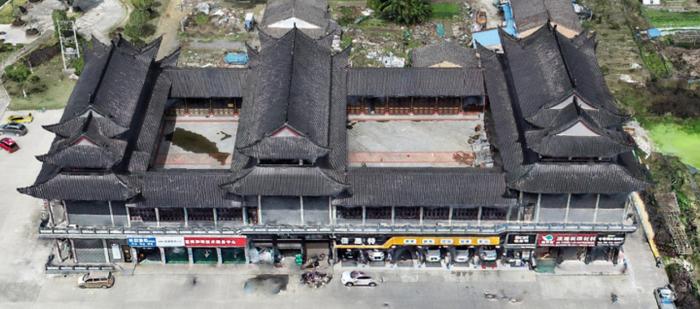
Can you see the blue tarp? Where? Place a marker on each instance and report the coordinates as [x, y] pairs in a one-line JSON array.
[[654, 33], [486, 38], [510, 21], [440, 29], [236, 58]]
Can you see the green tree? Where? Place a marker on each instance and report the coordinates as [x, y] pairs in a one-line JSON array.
[[407, 12], [142, 4], [18, 72]]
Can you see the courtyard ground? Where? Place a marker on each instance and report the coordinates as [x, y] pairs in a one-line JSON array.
[[197, 142]]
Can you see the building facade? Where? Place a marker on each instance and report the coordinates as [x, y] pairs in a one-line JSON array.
[[552, 178]]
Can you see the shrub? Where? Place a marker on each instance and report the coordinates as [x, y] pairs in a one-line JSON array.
[[18, 72]]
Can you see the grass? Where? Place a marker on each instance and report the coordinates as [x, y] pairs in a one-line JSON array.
[[59, 88], [680, 139], [444, 10], [654, 62], [6, 12], [666, 19]]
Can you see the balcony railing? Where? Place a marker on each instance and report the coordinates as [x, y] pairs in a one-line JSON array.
[[124, 232]]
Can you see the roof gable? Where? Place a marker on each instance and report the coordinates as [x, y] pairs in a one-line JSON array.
[[578, 129], [293, 22]]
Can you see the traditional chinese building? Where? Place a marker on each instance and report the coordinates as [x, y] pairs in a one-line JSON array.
[[506, 155]]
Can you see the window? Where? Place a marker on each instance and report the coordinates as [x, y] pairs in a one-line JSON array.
[[378, 212], [229, 214], [171, 214], [436, 213], [200, 214], [465, 213], [407, 213], [142, 214], [491, 213], [349, 212]]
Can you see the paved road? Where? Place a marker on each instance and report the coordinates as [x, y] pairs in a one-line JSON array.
[[23, 284], [102, 19]]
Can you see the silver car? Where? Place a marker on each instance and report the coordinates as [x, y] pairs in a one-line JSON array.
[[16, 129]]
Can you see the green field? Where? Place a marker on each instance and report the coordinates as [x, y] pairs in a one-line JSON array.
[[666, 19], [58, 89], [677, 139], [444, 10]]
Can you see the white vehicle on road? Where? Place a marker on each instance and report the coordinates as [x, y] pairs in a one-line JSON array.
[[357, 278]]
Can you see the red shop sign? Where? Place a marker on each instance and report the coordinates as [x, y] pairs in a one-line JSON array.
[[566, 240], [214, 242]]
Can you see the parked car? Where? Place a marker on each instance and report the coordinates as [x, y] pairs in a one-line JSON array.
[[461, 256], [375, 255], [20, 118], [9, 144], [357, 278], [13, 128], [665, 298], [433, 256], [96, 280]]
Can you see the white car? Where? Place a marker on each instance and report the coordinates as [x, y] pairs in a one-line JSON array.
[[357, 278], [461, 256], [432, 256], [375, 255]]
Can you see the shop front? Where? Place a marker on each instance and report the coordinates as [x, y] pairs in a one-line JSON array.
[[585, 247], [519, 249], [188, 249], [412, 251]]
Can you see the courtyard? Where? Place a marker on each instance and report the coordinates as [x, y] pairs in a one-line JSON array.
[[197, 142]]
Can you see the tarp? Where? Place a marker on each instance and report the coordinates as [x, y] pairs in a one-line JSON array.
[[654, 33], [236, 58], [488, 38], [510, 21], [440, 29]]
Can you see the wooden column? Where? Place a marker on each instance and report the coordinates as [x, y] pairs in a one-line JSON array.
[[184, 212], [537, 208], [157, 217], [595, 211], [111, 213], [566, 214]]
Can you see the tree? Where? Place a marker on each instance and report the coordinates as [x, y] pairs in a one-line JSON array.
[[405, 11], [17, 72]]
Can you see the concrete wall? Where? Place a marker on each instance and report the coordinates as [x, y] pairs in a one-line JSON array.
[[88, 213], [281, 210], [316, 211], [611, 208], [96, 213], [582, 207], [553, 207]]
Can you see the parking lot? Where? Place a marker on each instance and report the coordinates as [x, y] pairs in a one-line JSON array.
[[24, 285]]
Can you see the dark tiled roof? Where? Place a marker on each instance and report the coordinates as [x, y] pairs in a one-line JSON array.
[[147, 139], [530, 14], [430, 55], [83, 187], [312, 11], [572, 177], [180, 188], [285, 181], [549, 141], [66, 129], [459, 187], [415, 82], [290, 87], [206, 82], [288, 147]]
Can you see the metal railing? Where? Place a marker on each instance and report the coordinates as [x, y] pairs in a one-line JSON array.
[[125, 232]]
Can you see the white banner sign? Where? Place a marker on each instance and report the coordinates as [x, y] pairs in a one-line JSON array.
[[170, 241]]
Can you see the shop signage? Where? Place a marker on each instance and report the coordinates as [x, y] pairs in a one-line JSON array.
[[610, 240], [141, 242], [566, 240], [170, 241], [521, 240], [357, 242], [214, 242]]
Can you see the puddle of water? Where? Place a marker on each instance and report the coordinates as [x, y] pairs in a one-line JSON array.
[[197, 143], [266, 284]]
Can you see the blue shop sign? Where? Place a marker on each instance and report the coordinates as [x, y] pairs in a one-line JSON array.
[[142, 242]]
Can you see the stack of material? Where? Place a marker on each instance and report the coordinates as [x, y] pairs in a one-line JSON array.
[[671, 213]]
